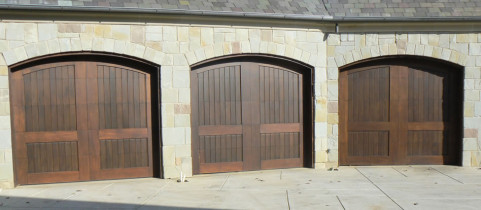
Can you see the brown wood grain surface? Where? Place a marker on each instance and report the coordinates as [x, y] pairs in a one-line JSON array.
[[79, 121], [399, 114], [246, 116]]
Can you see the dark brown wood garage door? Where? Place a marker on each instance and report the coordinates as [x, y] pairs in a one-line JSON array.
[[399, 114], [81, 121], [246, 116]]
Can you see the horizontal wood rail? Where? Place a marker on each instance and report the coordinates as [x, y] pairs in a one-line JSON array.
[[214, 130], [123, 133], [30, 137], [281, 128]]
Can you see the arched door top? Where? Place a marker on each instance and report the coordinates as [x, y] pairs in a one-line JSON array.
[[403, 60], [113, 58]]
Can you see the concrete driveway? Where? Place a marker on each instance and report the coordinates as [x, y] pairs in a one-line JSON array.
[[398, 187]]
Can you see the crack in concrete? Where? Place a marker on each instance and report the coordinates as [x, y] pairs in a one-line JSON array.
[[446, 175], [379, 189], [288, 203]]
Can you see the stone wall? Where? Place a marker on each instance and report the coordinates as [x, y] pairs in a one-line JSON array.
[[174, 48], [463, 49]]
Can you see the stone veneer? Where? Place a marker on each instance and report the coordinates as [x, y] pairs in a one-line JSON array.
[[463, 49], [176, 47]]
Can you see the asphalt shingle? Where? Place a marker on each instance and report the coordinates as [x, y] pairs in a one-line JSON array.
[[337, 8]]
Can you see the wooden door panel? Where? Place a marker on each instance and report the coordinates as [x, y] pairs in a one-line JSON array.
[[428, 116], [46, 125], [218, 118], [246, 116], [368, 130], [123, 141], [405, 116], [62, 133], [281, 117]]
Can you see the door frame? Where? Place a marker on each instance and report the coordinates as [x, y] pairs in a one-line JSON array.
[[308, 96], [434, 65], [124, 60]]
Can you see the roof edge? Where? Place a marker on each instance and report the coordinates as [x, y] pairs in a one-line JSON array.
[[326, 18]]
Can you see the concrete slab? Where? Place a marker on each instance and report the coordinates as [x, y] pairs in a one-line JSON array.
[[386, 187]]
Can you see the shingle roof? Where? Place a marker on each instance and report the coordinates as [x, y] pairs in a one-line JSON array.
[[300, 7], [404, 8], [336, 8]]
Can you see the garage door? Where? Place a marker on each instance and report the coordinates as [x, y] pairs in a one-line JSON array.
[[246, 116], [81, 121], [395, 114]]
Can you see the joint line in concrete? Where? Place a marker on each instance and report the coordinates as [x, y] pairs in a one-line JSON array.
[[447, 175], [225, 181], [340, 202], [379, 189], [399, 172]]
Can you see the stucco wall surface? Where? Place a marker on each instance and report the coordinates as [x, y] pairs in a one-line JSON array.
[[174, 48]]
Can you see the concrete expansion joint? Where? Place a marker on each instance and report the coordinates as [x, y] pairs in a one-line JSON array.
[[379, 188], [446, 175]]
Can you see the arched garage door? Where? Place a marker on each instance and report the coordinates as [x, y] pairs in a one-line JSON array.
[[400, 111], [249, 115], [81, 120]]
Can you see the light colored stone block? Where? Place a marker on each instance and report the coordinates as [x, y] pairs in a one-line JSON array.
[[169, 33], [20, 53], [5, 123], [241, 34], [76, 44], [47, 31], [5, 140], [333, 155], [473, 72], [121, 32], [470, 144], [168, 153], [181, 79], [15, 31], [2, 31], [31, 50], [468, 109], [471, 95], [467, 38], [173, 136], [3, 45], [170, 95], [31, 34], [477, 109], [333, 40], [184, 95], [206, 36], [266, 35], [320, 129], [444, 40], [182, 120], [10, 57], [87, 40], [446, 54], [183, 151], [3, 70], [474, 48], [64, 44], [471, 133]]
